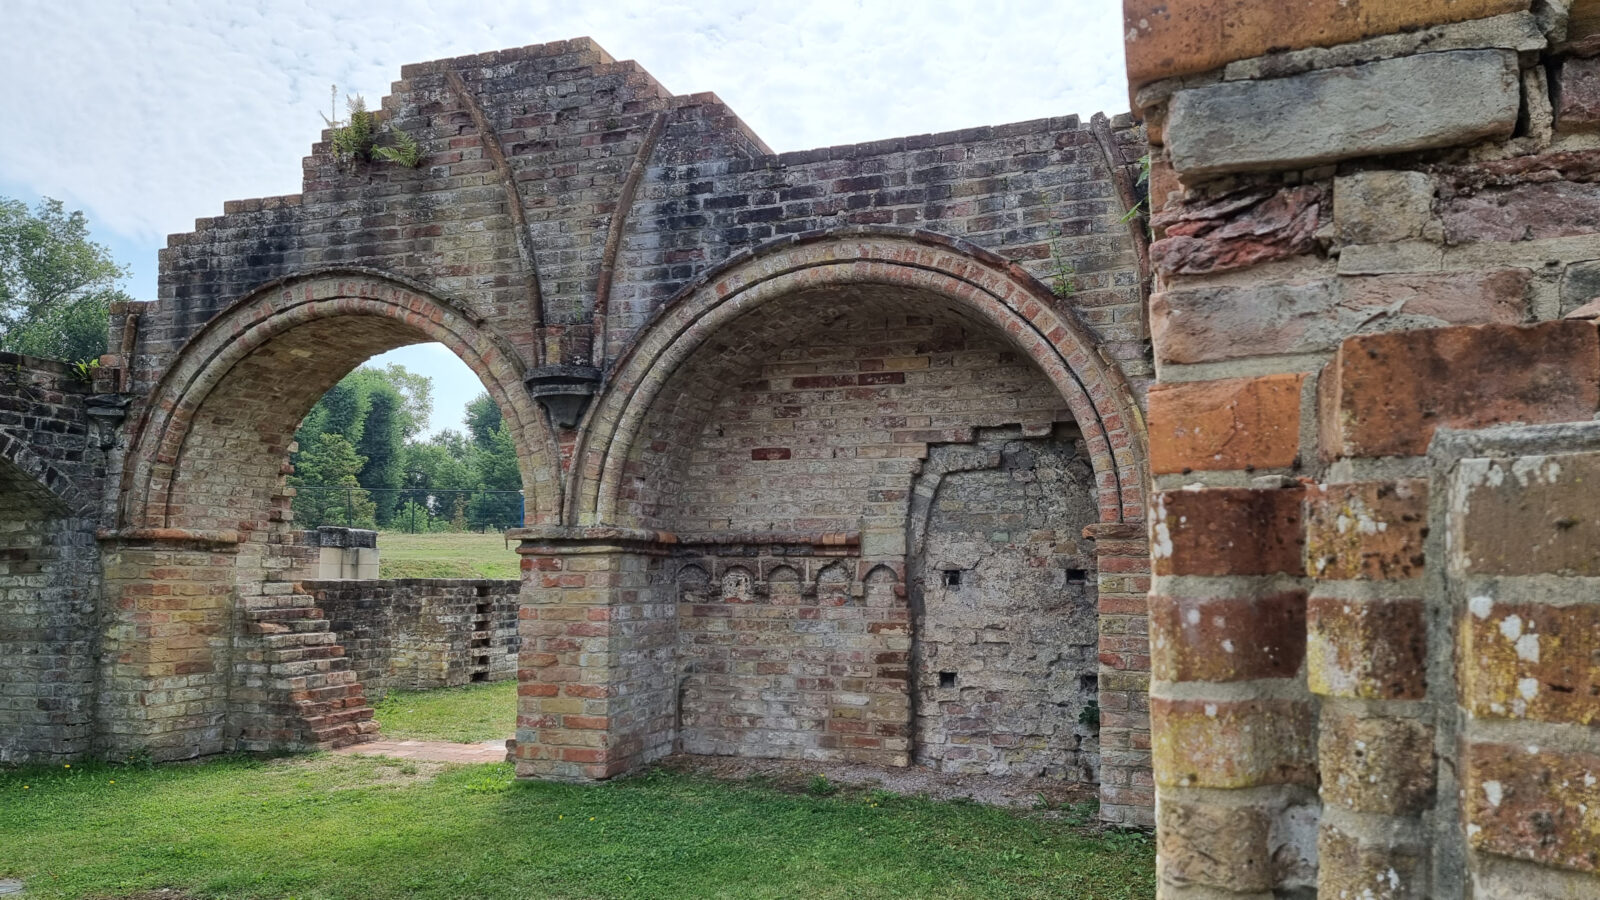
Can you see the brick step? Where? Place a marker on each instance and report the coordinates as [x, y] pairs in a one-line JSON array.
[[299, 654], [327, 694], [335, 719], [300, 639], [285, 613]]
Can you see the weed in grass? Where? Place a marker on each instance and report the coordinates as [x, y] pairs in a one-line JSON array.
[[820, 786]]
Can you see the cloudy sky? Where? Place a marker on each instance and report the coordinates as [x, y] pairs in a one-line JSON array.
[[147, 115]]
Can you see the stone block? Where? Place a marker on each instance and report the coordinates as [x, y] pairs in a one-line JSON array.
[[1531, 803], [1580, 284], [1371, 530], [1210, 324], [1522, 212], [1379, 868], [1376, 764], [1232, 743], [1531, 660], [1367, 649], [1227, 638], [1529, 515], [1385, 394], [1217, 846], [1233, 423], [1227, 531], [1391, 106], [1579, 108], [1165, 39], [1379, 206]]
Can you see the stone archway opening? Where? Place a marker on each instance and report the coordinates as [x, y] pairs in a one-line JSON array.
[[739, 508], [210, 575]]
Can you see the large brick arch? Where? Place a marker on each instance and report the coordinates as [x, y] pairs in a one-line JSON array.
[[976, 281], [354, 308]]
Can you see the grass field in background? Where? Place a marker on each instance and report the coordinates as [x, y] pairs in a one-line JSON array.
[[474, 712], [446, 555], [329, 827]]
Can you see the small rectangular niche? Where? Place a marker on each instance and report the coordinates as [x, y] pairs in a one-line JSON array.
[[952, 578], [1077, 576], [947, 679]]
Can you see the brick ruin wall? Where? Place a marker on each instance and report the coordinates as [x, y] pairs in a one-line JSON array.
[[413, 634], [51, 464], [1373, 619], [724, 568]]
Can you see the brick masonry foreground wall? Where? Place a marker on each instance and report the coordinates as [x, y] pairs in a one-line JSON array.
[[51, 463], [420, 633], [1371, 619]]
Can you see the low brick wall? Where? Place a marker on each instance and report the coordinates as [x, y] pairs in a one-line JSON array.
[[418, 633]]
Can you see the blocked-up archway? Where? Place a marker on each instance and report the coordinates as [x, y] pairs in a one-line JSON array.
[[764, 435], [202, 569]]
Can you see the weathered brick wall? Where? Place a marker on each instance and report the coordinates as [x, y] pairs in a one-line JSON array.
[[1366, 242], [420, 633], [775, 344], [815, 415], [1003, 583], [791, 649], [51, 466]]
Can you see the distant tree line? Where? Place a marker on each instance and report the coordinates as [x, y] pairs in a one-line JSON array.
[[361, 459]]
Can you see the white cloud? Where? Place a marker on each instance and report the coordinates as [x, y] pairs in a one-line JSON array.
[[149, 115]]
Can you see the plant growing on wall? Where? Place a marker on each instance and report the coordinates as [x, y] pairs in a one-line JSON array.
[[360, 138]]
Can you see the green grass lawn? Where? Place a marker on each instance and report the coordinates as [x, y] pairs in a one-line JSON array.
[[464, 555], [474, 712], [349, 827]]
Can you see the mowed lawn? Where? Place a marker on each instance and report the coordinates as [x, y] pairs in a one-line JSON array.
[[467, 714], [446, 555], [326, 826]]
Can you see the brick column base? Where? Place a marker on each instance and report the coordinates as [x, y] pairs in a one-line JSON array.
[[597, 690]]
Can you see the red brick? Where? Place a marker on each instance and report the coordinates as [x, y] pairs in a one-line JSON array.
[[1371, 649], [1530, 515], [1535, 804], [1227, 531], [1233, 423], [1227, 639], [1531, 660], [1370, 530], [1385, 394]]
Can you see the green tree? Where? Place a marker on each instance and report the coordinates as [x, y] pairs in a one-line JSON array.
[[417, 392], [496, 469], [56, 285], [331, 461], [483, 417], [382, 443]]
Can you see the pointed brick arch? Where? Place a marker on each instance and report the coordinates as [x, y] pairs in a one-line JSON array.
[[974, 280], [404, 311]]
